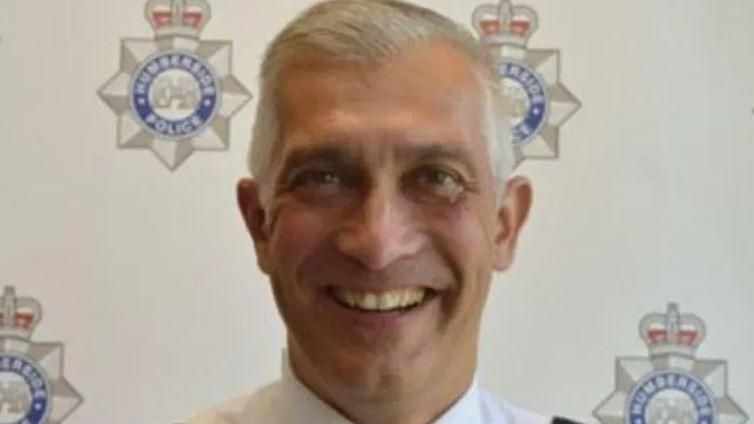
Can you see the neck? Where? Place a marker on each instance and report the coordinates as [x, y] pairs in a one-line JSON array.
[[422, 404]]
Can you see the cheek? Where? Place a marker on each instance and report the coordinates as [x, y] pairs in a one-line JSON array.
[[461, 232], [464, 238], [296, 234]]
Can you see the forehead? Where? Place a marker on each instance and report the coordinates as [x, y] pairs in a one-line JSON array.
[[427, 94]]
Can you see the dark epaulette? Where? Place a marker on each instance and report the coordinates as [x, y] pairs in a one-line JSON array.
[[561, 420]]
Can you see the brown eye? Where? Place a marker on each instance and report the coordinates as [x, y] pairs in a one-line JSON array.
[[315, 178], [317, 185], [437, 183]]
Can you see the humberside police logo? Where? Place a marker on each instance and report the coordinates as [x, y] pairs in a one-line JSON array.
[[530, 78], [175, 94], [32, 387], [670, 386]]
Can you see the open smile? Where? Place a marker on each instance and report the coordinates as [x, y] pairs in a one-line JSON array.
[[397, 300]]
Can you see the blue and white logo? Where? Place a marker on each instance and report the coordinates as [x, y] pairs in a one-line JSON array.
[[530, 78], [671, 386], [24, 391], [671, 396], [33, 389], [531, 103], [175, 95]]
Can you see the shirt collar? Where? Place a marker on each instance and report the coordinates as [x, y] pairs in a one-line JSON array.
[[305, 406]]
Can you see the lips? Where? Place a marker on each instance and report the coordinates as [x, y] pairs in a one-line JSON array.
[[384, 301]]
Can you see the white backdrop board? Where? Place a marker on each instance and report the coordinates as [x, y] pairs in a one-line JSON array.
[[149, 279]]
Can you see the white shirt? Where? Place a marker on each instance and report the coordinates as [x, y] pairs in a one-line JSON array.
[[288, 401]]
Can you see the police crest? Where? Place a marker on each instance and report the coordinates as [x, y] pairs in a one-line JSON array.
[[530, 79], [670, 386], [32, 387], [175, 94]]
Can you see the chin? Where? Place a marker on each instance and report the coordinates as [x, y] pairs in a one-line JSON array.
[[381, 371]]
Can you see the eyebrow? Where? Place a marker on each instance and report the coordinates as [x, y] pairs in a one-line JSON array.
[[439, 152], [349, 154], [330, 154]]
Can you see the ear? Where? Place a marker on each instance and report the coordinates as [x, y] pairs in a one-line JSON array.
[[511, 216], [250, 205]]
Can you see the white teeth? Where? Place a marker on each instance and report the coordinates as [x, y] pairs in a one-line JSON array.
[[369, 301], [384, 301]]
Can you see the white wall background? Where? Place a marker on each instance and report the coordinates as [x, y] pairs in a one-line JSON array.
[[149, 277]]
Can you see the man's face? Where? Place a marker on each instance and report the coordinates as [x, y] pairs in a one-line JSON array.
[[382, 227]]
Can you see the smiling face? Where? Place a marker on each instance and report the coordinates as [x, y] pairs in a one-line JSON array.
[[382, 228]]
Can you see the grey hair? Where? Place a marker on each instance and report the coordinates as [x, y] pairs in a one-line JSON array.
[[360, 31]]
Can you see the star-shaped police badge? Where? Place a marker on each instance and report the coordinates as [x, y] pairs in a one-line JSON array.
[[32, 387], [670, 386], [175, 93], [540, 103]]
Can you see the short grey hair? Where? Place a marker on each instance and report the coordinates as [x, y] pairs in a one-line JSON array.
[[360, 31]]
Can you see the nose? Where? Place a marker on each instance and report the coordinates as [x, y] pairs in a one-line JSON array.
[[380, 231]]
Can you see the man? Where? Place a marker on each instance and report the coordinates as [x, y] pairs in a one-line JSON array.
[[380, 208]]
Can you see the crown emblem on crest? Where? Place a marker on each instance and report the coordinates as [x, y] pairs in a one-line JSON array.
[[671, 385], [19, 315], [672, 332], [504, 23], [177, 17]]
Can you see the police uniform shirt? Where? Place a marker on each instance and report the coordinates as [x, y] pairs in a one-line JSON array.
[[288, 401]]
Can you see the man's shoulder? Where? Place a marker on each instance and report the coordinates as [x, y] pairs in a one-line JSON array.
[[256, 406], [497, 410]]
